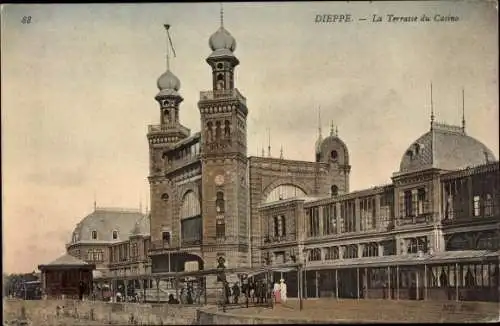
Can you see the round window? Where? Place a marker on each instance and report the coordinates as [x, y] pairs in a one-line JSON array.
[[164, 197]]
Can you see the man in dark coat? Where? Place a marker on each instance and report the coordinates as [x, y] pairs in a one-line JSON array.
[[236, 292], [81, 290], [227, 291]]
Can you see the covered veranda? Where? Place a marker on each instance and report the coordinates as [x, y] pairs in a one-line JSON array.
[[453, 275], [197, 279]]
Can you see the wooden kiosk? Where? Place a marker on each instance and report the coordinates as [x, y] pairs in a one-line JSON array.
[[61, 278]]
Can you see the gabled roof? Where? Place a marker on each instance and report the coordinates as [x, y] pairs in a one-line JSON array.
[[67, 261]]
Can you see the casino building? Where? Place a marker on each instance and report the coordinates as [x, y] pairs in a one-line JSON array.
[[436, 227]]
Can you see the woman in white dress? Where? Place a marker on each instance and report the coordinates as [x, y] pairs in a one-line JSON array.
[[283, 290], [276, 292]]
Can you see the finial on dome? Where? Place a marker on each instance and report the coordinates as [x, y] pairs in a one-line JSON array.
[[331, 128], [221, 15], [432, 110], [269, 142], [222, 39], [336, 131], [319, 121], [463, 110], [168, 80]]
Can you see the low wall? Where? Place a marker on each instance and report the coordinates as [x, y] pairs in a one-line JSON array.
[[45, 312], [357, 311], [207, 317], [38, 311]]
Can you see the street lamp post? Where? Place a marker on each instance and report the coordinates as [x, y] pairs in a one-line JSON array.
[[293, 256], [305, 273], [267, 260], [221, 276]]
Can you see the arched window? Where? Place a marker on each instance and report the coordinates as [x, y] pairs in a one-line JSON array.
[[210, 132], [94, 235], [279, 226], [332, 253], [227, 128], [334, 190], [417, 244], [370, 250], [220, 203], [217, 130], [487, 241], [220, 227], [284, 192], [334, 155], [315, 254], [115, 235], [165, 236], [191, 223], [351, 251], [190, 205], [488, 205], [458, 242]]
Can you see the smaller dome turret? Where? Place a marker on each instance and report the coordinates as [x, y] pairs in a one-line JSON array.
[[168, 81], [221, 40]]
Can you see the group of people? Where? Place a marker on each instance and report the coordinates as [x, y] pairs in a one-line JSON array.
[[280, 291], [258, 291]]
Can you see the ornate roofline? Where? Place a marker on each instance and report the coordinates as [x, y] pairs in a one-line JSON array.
[[482, 168]]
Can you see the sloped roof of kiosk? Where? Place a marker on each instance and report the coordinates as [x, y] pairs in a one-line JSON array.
[[67, 260]]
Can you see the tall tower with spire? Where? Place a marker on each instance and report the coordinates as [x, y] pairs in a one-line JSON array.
[[223, 113], [162, 136]]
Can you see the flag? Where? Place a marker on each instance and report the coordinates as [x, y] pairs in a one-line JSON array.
[[169, 39]]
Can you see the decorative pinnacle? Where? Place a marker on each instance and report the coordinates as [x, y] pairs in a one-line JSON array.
[[269, 143], [281, 152], [336, 131], [221, 15], [319, 121], [463, 110], [432, 109], [331, 128]]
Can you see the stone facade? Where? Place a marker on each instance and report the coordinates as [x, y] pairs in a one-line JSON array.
[[204, 187]]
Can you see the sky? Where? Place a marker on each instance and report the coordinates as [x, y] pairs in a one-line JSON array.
[[78, 85]]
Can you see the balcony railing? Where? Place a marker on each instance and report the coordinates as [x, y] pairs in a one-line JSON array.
[[167, 127], [271, 239], [222, 94], [411, 220]]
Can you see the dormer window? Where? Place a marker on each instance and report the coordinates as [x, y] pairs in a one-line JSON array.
[[334, 155], [115, 235], [409, 153], [417, 148], [94, 235]]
